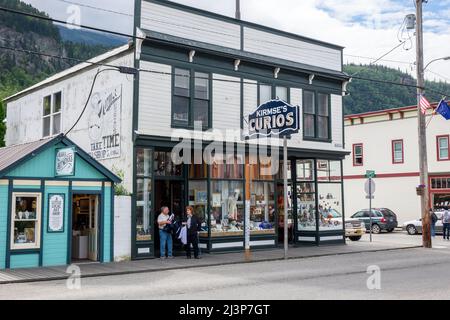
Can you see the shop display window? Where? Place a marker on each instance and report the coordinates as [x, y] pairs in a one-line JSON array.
[[330, 206], [26, 221], [143, 209], [262, 208], [198, 199], [306, 207], [227, 208]]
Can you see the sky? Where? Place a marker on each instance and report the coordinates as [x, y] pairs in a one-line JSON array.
[[367, 29]]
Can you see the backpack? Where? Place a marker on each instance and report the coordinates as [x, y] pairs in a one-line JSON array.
[[434, 217]]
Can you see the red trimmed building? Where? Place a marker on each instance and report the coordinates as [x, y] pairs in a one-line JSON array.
[[387, 141]]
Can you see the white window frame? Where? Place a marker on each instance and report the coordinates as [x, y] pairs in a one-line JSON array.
[[52, 114], [440, 149], [37, 228]]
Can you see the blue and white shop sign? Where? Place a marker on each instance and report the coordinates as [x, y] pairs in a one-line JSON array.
[[274, 118], [65, 162]]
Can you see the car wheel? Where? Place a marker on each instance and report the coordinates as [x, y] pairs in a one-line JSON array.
[[376, 229], [411, 229], [355, 238]]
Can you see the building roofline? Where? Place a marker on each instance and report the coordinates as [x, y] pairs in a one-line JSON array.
[[243, 22], [72, 70], [385, 111], [48, 142]]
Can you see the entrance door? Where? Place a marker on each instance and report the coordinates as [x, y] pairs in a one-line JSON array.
[[85, 211], [281, 216], [169, 193], [93, 228]]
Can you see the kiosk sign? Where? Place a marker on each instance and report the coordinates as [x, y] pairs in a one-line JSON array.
[[65, 162], [275, 117]]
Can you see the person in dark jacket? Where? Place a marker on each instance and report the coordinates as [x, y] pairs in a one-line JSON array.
[[193, 225]]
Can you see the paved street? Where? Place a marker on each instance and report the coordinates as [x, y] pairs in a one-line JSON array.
[[330, 277]]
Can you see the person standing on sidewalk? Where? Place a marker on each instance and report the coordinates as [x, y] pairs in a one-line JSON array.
[[446, 224], [193, 226], [434, 219], [165, 233]]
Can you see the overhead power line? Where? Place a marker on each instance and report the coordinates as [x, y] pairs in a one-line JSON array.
[[96, 8]]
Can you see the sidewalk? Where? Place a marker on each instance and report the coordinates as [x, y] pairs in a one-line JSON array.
[[153, 265]]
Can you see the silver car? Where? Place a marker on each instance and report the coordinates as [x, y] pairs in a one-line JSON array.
[[415, 226]]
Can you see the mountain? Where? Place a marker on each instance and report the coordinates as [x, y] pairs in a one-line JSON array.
[[90, 37], [19, 70], [372, 96]]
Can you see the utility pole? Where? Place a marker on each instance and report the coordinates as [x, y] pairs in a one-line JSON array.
[[423, 161], [238, 9]]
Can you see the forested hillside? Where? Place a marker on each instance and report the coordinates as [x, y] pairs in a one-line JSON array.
[[19, 70], [370, 96]]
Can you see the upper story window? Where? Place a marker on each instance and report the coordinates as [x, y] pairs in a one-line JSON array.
[[191, 99], [358, 156], [442, 143], [316, 115], [268, 92], [51, 120], [397, 151]]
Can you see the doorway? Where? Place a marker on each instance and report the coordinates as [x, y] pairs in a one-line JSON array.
[[280, 206], [85, 228], [169, 193]]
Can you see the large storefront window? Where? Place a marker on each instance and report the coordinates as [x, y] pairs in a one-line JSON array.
[[143, 194], [330, 195], [306, 195], [262, 207], [198, 199], [26, 219], [227, 208]]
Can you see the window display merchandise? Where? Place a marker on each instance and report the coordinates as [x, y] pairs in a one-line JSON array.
[[227, 208], [262, 208], [26, 220]]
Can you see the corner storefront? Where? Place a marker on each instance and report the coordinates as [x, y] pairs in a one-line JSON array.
[[217, 194], [56, 205]]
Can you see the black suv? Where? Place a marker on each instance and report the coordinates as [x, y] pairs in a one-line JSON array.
[[382, 219]]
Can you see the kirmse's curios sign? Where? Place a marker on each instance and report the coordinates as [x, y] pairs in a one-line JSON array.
[[275, 117]]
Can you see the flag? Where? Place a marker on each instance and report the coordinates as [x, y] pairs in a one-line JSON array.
[[424, 104], [443, 109]]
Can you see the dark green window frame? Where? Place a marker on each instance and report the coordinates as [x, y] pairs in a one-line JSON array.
[[274, 87], [317, 116], [191, 98]]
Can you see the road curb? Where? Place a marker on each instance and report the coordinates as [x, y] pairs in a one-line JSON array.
[[118, 273]]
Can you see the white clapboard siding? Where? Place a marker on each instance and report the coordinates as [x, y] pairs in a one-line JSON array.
[[155, 100], [337, 121], [179, 23], [250, 99], [226, 102], [273, 45]]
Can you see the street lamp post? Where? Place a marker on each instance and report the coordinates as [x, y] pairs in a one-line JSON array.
[[434, 60]]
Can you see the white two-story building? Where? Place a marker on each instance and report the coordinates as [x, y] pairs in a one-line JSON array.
[[196, 66], [387, 141]]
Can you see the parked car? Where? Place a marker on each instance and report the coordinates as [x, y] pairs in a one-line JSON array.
[[382, 219], [354, 228], [415, 226]]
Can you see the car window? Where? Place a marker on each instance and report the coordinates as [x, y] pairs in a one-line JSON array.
[[388, 213], [366, 214], [334, 213], [359, 214]]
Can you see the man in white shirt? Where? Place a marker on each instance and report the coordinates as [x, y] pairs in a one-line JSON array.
[[165, 238]]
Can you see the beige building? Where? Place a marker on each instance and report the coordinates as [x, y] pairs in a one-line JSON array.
[[387, 141]]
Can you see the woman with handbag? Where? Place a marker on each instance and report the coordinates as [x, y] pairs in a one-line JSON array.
[[165, 233], [193, 226]]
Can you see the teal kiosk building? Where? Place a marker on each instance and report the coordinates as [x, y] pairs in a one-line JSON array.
[[56, 205]]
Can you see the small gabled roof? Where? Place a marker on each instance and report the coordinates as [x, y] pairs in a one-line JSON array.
[[13, 156]]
